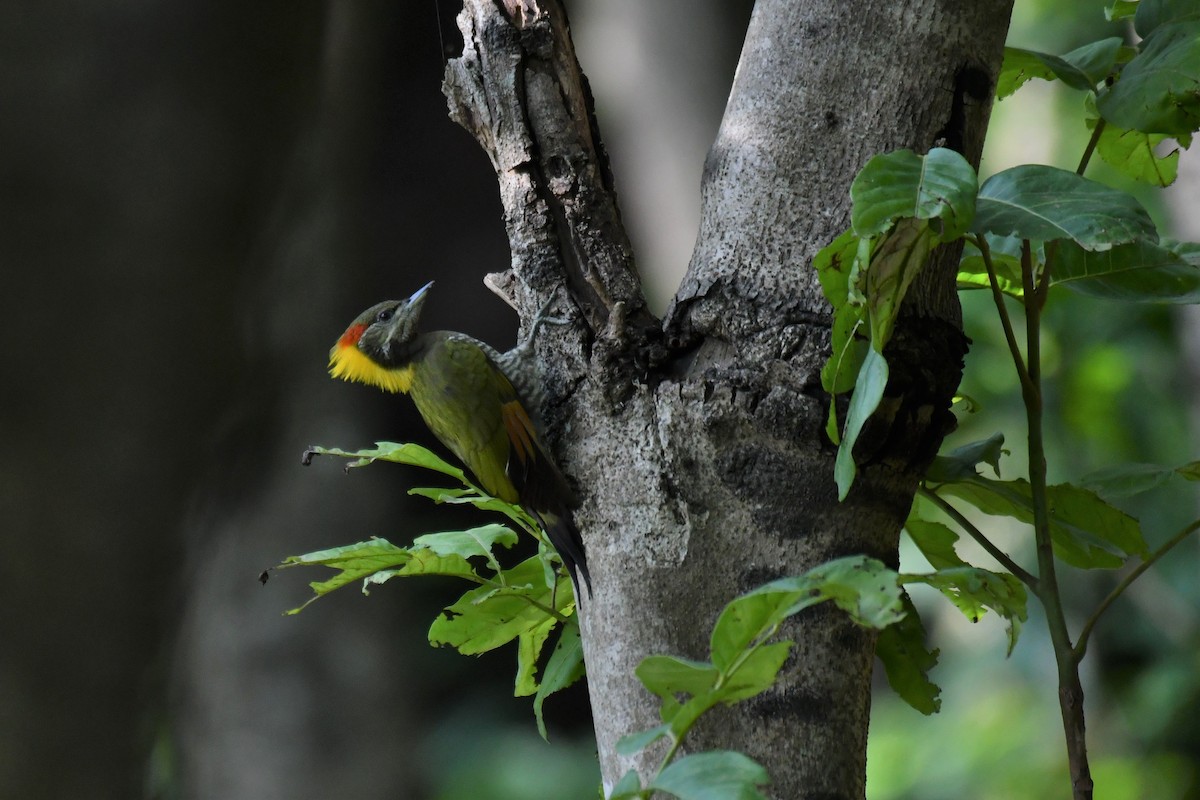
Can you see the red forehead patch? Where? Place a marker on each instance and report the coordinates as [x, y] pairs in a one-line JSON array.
[[351, 336]]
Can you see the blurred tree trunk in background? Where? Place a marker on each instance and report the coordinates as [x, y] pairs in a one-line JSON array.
[[194, 199]]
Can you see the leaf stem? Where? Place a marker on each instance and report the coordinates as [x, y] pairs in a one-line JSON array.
[[1091, 146], [722, 678], [995, 552], [998, 297], [1070, 691], [1118, 590]]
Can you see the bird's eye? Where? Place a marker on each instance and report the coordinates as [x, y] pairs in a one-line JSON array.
[[385, 315]]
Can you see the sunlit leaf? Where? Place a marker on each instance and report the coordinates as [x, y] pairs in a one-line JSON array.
[[1005, 252], [352, 562], [529, 648], [486, 618], [410, 454], [973, 590], [468, 543], [564, 668]]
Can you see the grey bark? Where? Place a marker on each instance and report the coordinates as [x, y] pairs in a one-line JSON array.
[[696, 441]]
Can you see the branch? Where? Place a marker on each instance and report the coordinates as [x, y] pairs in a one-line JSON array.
[[1134, 574], [995, 552], [517, 88]]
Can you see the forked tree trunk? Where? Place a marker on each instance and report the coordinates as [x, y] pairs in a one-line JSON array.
[[696, 441]]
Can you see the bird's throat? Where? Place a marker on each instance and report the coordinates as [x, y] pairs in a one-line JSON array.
[[349, 363]]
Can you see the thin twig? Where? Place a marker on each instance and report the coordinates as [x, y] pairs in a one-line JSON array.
[[1001, 309], [1134, 574], [971, 530], [1070, 690], [1091, 146]]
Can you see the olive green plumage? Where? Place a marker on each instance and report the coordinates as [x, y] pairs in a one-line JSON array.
[[470, 404]]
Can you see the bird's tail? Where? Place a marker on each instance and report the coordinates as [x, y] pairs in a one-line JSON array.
[[561, 531]]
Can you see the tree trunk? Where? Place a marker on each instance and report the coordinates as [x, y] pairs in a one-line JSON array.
[[697, 441]]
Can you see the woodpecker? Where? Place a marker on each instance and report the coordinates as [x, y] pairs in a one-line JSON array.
[[476, 401]]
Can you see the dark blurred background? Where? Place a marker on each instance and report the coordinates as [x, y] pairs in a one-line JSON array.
[[196, 198]]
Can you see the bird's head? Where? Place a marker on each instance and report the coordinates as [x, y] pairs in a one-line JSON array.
[[377, 347]]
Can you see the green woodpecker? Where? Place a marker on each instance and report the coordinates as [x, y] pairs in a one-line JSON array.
[[464, 391]]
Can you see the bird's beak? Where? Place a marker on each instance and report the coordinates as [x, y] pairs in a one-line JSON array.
[[408, 312], [418, 296]]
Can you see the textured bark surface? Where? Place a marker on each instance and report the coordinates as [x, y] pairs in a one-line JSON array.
[[696, 442]]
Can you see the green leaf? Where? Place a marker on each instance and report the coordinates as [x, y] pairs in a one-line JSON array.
[[713, 775], [1130, 480], [1086, 532], [1153, 13], [468, 543], [849, 348], [1019, 67], [668, 675], [745, 620], [1139, 272], [1005, 253], [1136, 154], [1080, 69], [1043, 203], [352, 561], [868, 391], [833, 263], [973, 590], [901, 649], [1091, 64], [1190, 471], [427, 562], [961, 463], [636, 742], [529, 649], [898, 258], [935, 541], [1120, 9], [1159, 90], [486, 618], [938, 186], [755, 674], [478, 499], [862, 587], [411, 454], [629, 787], [564, 668]]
